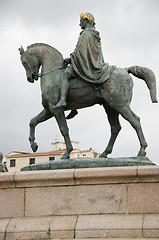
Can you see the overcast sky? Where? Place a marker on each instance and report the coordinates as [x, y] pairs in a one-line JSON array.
[[130, 36]]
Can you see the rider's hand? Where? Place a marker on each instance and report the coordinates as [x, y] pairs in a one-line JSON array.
[[67, 61]]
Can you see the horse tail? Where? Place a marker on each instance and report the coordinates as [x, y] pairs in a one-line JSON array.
[[148, 76]]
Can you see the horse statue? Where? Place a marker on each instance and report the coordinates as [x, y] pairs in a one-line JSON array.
[[114, 94]]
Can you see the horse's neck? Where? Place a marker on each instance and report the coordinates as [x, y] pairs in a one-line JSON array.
[[51, 60]]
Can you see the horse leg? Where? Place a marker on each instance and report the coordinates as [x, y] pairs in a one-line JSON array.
[[61, 121], [113, 118], [134, 120], [41, 117]]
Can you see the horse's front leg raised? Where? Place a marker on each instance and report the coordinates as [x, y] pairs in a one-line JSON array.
[[61, 120], [41, 117]]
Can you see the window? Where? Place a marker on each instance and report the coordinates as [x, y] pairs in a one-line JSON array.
[[31, 161], [12, 162], [84, 155], [51, 158]]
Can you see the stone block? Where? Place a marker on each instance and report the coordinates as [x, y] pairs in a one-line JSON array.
[[148, 173], [104, 239], [41, 228], [151, 225], [143, 198], [7, 180], [106, 175], [45, 178], [118, 238], [114, 225], [3, 226], [152, 234], [11, 203], [151, 221], [92, 199], [41, 235], [109, 239], [110, 233]]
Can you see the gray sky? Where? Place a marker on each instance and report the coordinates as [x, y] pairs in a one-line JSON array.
[[129, 32]]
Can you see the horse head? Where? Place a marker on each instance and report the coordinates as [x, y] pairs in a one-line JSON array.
[[31, 64]]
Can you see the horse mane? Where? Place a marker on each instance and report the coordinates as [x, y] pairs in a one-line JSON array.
[[43, 45]]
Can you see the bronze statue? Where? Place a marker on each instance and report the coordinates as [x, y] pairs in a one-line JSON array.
[[86, 62], [112, 88], [3, 167]]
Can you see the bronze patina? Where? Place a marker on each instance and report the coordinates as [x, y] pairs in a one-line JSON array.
[[105, 85], [3, 167], [86, 62]]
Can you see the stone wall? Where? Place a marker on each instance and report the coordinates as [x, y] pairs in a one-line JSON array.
[[96, 203]]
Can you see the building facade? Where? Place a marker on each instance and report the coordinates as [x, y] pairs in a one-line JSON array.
[[15, 160]]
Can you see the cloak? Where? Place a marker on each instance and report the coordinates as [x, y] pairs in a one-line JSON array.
[[87, 59]]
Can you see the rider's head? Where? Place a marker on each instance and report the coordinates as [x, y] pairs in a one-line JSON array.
[[87, 19]]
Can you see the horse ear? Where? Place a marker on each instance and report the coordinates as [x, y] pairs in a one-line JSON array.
[[21, 50]]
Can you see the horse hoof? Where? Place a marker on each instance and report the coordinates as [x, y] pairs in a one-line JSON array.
[[103, 155], [34, 147], [141, 153], [65, 156]]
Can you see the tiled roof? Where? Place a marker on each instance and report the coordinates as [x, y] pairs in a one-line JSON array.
[[17, 154]]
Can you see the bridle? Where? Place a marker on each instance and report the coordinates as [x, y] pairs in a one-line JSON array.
[[45, 73]]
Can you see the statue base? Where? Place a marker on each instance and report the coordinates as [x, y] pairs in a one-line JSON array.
[[89, 163], [85, 203]]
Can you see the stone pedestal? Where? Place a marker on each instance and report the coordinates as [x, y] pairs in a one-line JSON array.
[[89, 203]]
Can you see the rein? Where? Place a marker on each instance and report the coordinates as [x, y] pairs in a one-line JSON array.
[[51, 71]]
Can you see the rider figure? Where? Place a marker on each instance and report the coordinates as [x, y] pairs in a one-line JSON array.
[[86, 61]]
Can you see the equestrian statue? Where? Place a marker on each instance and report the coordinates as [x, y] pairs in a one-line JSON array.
[[81, 81]]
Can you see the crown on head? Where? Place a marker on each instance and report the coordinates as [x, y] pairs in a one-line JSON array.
[[87, 16]]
